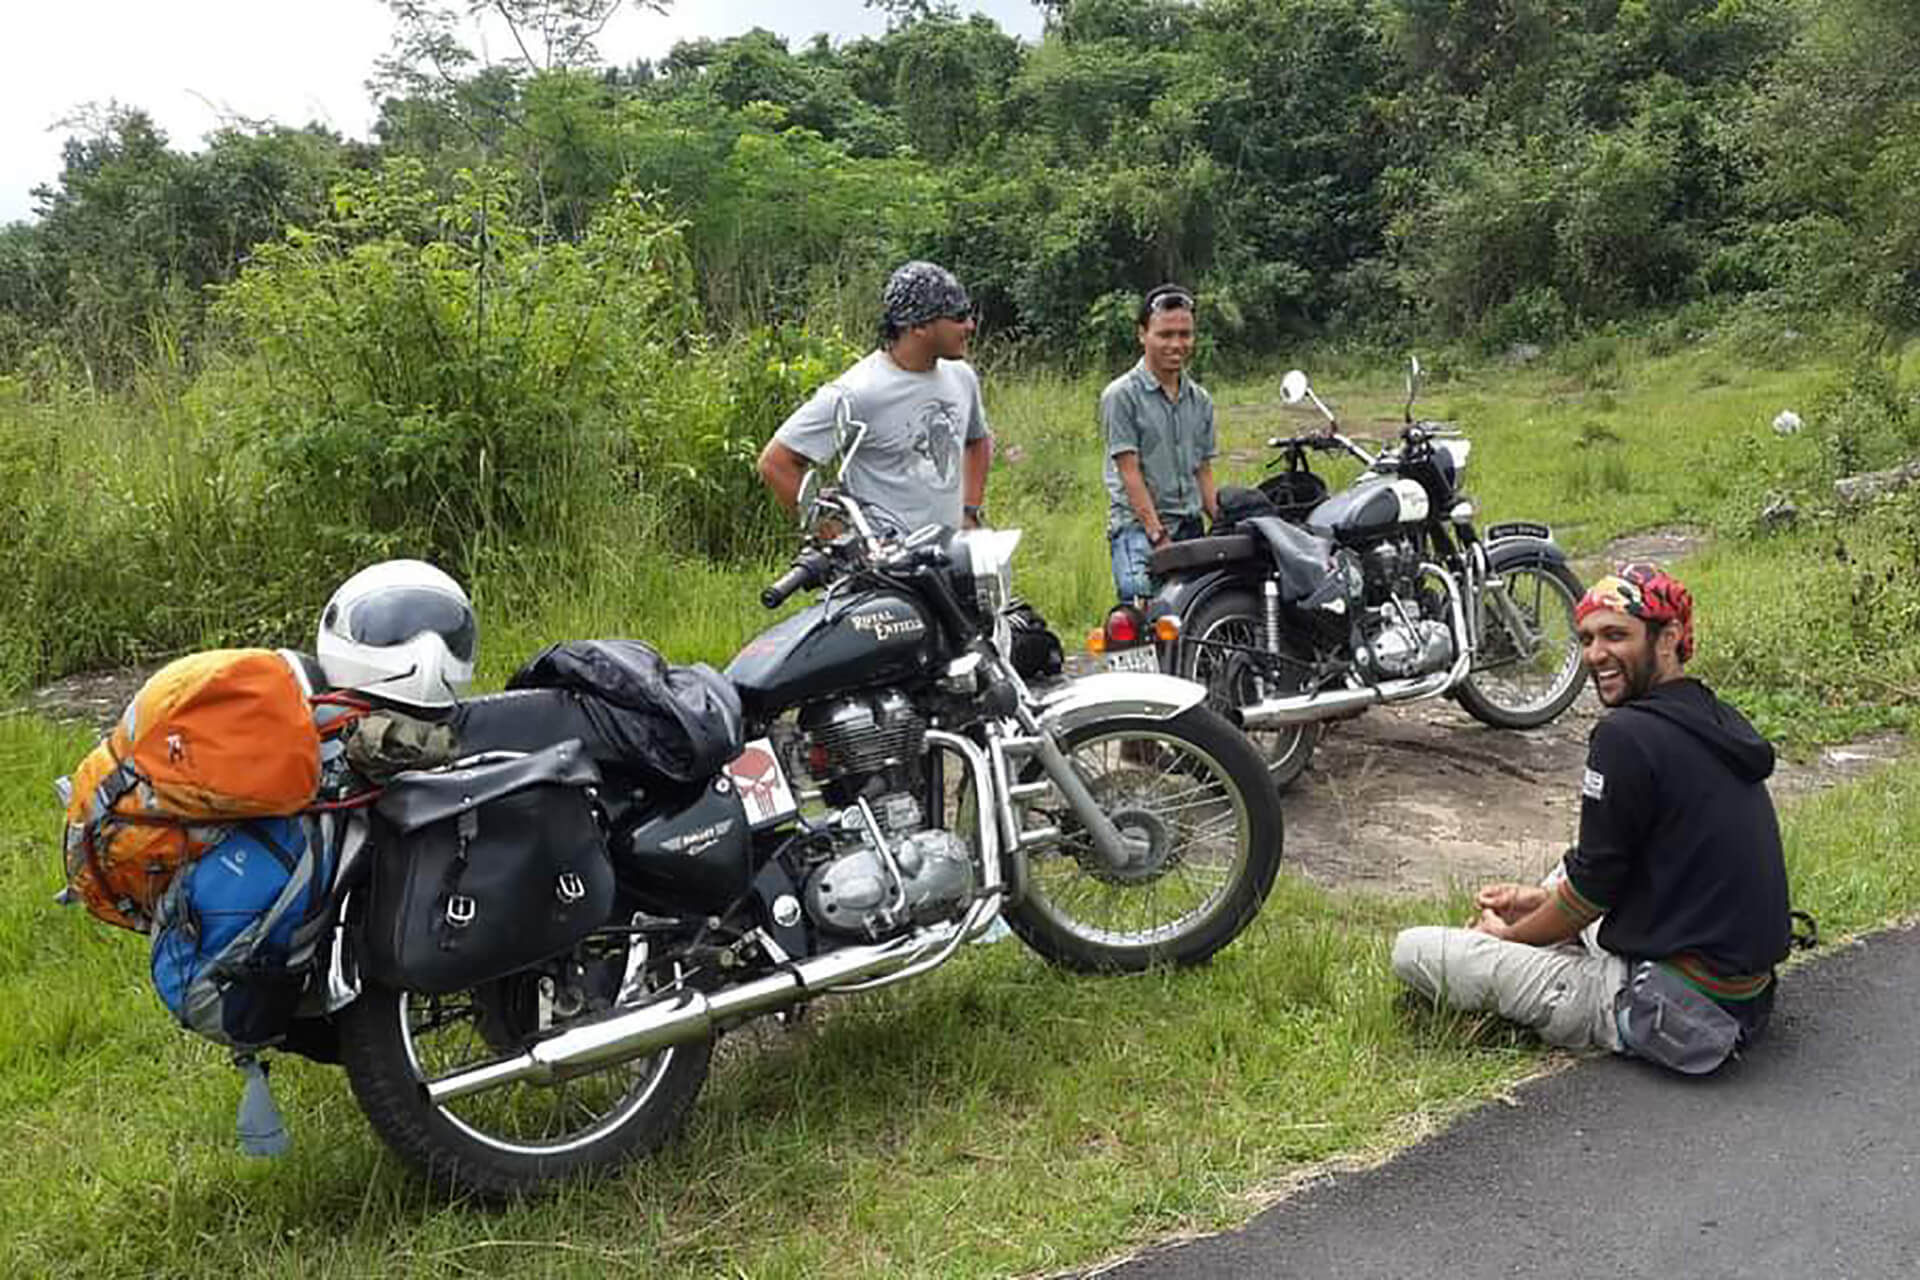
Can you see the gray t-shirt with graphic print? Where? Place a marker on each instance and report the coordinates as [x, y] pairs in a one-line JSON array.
[[909, 465]]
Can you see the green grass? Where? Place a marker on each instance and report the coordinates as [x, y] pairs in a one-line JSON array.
[[996, 1118]]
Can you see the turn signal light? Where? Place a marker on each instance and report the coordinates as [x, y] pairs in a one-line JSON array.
[[1097, 640], [1166, 630]]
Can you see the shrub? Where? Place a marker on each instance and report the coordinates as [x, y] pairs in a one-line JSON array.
[[432, 376]]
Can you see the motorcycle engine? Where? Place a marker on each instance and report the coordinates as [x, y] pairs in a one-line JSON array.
[[1398, 648], [1397, 642], [883, 869]]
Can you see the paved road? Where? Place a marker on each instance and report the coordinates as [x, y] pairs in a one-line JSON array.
[[1801, 1162]]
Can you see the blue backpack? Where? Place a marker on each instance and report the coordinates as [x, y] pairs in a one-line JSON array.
[[235, 933]]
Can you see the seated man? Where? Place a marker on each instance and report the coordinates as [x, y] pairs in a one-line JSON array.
[[1679, 862]]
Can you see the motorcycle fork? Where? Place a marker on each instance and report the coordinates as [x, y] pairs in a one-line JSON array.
[[1469, 557], [1037, 744]]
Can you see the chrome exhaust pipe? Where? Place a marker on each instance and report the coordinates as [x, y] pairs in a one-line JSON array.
[[683, 1016], [1306, 708]]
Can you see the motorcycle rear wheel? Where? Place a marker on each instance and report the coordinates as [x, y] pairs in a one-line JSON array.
[[1507, 690], [1233, 617], [1195, 791], [519, 1137]]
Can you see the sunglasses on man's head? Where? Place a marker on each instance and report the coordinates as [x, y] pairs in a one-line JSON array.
[[1172, 300]]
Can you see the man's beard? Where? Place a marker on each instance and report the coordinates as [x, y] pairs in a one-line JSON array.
[[1638, 672]]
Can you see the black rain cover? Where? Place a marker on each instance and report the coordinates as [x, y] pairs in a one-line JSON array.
[[682, 723]]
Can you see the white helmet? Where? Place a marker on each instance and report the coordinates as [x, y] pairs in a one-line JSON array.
[[402, 631]]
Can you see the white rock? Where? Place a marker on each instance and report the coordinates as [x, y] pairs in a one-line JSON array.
[[1786, 422]]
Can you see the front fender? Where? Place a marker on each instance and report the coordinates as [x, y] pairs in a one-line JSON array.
[[1517, 549], [1107, 694]]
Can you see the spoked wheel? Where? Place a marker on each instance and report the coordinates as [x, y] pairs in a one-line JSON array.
[[1235, 678], [1527, 670], [1190, 799], [516, 1137]]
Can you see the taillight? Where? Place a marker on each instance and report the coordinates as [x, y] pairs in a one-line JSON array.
[[1123, 627]]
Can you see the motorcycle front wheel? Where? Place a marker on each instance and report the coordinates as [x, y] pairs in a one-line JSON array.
[[1526, 679], [1191, 796], [1212, 653], [518, 1137]]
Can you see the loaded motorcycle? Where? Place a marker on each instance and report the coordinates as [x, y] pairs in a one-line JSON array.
[[1310, 608], [900, 787]]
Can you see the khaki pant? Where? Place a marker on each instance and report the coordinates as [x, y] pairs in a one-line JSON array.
[[1564, 993]]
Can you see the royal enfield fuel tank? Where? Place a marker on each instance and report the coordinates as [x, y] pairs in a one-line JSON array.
[[1371, 507], [848, 642]]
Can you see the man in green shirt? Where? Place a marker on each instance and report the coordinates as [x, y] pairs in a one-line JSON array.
[[1158, 424]]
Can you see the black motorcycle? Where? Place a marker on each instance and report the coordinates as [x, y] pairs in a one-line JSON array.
[[1310, 607], [899, 788]]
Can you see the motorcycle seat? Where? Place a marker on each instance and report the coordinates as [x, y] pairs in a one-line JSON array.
[[1201, 553]]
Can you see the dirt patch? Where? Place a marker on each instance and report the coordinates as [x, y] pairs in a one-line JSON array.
[[1421, 798], [93, 698], [1662, 546]]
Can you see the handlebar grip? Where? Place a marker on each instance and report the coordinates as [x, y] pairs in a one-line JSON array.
[[802, 574]]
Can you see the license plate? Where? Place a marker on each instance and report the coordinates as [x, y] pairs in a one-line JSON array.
[[1519, 529], [1142, 658]]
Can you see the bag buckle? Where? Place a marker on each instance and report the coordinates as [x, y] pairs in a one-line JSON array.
[[569, 887], [461, 910]]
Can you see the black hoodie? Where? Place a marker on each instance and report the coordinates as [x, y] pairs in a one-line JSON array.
[[1678, 841]]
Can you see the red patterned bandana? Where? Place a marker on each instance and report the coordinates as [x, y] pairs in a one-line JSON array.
[[1645, 592]]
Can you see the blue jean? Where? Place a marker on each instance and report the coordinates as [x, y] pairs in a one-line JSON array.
[[1130, 550]]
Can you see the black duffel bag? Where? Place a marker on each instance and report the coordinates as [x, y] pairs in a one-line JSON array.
[[480, 870]]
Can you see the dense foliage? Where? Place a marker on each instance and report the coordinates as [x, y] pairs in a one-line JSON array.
[[552, 309], [1512, 169]]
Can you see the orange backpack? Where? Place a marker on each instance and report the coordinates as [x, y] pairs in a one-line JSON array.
[[209, 740]]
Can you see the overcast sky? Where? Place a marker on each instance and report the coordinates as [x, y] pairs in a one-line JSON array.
[[192, 63]]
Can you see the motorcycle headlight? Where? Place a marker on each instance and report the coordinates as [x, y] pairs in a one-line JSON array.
[[983, 565]]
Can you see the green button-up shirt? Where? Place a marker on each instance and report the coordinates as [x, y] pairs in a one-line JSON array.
[[1171, 436]]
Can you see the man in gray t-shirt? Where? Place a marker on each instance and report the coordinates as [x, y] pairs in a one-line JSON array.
[[927, 448]]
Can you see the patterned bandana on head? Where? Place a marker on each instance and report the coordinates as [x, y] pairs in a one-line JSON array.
[[922, 292], [1646, 592]]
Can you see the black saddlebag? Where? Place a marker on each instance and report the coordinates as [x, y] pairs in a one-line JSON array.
[[480, 870]]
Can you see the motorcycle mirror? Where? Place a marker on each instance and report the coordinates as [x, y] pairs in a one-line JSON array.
[[809, 490], [1295, 389]]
